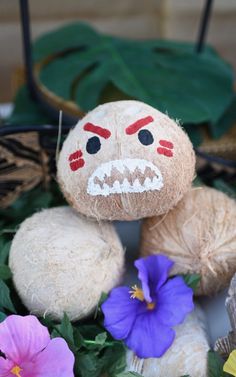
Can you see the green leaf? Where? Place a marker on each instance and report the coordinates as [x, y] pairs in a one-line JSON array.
[[5, 272], [64, 38], [192, 280], [65, 330], [195, 133], [215, 365], [27, 204], [98, 311], [114, 359], [2, 316], [101, 338], [88, 365], [226, 121], [26, 111], [194, 88], [221, 185], [5, 300], [4, 250]]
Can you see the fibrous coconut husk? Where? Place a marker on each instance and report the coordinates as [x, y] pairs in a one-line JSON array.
[[125, 179], [199, 234], [62, 262]]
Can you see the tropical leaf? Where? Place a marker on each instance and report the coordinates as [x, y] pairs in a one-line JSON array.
[[194, 88], [26, 111]]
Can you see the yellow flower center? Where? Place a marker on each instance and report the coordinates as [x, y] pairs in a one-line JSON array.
[[16, 371], [137, 292]]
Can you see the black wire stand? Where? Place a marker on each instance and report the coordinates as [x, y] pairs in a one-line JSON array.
[[68, 120]]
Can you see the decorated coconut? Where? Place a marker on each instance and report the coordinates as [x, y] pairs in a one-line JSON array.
[[199, 234], [62, 262], [125, 160], [186, 356]]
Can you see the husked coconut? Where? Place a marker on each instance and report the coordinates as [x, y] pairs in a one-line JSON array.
[[62, 262], [125, 160], [199, 235]]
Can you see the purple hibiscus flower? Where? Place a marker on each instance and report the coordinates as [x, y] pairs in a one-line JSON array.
[[143, 317], [29, 351]]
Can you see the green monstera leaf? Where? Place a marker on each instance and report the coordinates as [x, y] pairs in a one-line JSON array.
[[89, 68]]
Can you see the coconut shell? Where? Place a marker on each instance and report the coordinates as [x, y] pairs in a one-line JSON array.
[[186, 356], [199, 235], [225, 345], [62, 262], [125, 160]]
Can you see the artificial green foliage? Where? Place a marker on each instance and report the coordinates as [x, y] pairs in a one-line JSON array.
[[215, 365], [226, 120], [5, 299], [27, 204], [26, 111], [192, 280], [228, 189], [91, 67]]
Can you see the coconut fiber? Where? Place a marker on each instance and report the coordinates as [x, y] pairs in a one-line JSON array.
[[62, 262], [125, 160], [199, 234]]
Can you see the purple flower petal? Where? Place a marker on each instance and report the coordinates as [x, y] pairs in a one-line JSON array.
[[174, 302], [148, 337], [153, 272], [56, 360], [120, 312], [22, 337], [5, 367]]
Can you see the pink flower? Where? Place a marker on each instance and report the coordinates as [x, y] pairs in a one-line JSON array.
[[29, 351]]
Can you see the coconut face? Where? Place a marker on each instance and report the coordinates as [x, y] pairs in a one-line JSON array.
[[125, 160], [62, 262]]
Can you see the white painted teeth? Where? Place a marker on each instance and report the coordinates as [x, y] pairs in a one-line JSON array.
[[107, 170]]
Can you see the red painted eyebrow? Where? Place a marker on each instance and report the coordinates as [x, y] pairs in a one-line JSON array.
[[103, 132], [138, 124]]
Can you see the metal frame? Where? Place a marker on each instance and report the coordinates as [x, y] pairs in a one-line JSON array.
[[69, 120]]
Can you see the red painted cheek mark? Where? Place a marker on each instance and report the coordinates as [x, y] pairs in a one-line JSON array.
[[75, 155], [76, 162], [166, 152], [166, 144], [166, 148]]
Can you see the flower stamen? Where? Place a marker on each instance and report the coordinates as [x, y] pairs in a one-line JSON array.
[[16, 371], [151, 305], [137, 293]]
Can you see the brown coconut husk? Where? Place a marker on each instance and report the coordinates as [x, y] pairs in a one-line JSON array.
[[177, 172], [199, 235]]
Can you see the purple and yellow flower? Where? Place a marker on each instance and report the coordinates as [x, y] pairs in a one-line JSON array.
[[29, 351], [144, 317]]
